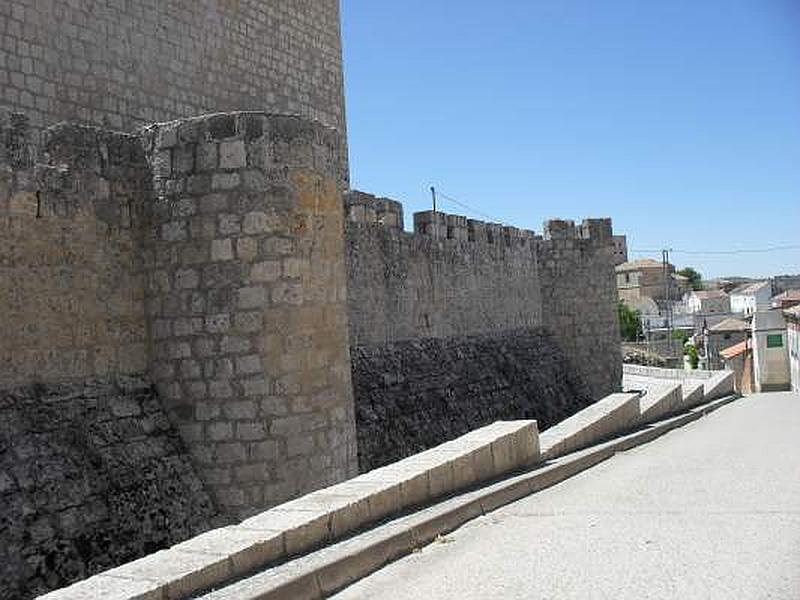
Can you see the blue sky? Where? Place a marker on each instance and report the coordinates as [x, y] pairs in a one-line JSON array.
[[679, 119]]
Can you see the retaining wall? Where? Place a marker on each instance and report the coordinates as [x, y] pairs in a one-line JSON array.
[[415, 394], [91, 476]]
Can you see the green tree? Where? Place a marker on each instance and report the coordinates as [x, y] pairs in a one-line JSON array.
[[691, 352], [694, 277], [630, 322], [680, 334]]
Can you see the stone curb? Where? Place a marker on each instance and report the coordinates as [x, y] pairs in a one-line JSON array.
[[317, 519], [693, 395], [331, 569], [605, 418], [719, 385], [659, 403]]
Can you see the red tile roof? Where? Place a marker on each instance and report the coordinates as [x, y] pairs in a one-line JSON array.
[[736, 349]]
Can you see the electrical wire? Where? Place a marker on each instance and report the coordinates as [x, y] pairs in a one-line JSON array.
[[724, 252], [440, 194], [781, 248]]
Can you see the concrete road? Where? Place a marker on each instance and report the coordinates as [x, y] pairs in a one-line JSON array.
[[709, 511]]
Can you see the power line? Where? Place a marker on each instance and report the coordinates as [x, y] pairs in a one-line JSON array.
[[469, 208], [782, 248], [724, 252]]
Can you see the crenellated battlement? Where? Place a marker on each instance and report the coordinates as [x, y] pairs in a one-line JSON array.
[[364, 208], [454, 276], [368, 209], [70, 171]]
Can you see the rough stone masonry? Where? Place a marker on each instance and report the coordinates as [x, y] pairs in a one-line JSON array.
[[206, 252], [463, 322], [214, 257], [125, 65]]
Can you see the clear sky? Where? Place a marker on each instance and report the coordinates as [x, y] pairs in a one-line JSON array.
[[680, 119]]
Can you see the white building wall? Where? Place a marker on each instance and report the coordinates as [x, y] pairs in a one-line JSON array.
[[693, 304], [771, 365], [793, 341], [743, 304], [747, 304]]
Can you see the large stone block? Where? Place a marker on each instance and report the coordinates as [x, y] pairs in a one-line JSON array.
[[613, 415]]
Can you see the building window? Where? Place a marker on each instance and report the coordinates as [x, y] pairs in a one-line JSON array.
[[775, 341]]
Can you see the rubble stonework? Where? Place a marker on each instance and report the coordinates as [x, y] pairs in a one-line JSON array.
[[92, 475], [415, 394]]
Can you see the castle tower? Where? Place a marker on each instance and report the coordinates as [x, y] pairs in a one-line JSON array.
[[246, 303], [122, 65]]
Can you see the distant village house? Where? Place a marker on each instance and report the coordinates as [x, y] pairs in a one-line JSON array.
[[770, 352], [786, 300], [645, 278], [751, 297], [725, 334], [706, 302], [793, 342]]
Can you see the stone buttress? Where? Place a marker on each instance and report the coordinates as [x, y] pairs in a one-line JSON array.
[[246, 303]]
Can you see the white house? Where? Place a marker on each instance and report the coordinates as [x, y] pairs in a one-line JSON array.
[[752, 297], [706, 302], [770, 352], [793, 342]]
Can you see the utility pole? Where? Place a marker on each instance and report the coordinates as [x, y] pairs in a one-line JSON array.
[[435, 223], [667, 299]]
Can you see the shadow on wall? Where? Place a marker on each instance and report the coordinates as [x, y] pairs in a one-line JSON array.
[[413, 395], [91, 476]]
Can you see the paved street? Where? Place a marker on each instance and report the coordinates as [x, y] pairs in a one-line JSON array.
[[709, 511]]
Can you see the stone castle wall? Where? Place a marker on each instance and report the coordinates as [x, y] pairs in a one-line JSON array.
[[459, 277], [207, 253], [462, 322], [71, 284], [216, 257], [579, 299], [127, 64], [415, 394], [246, 303], [455, 276]]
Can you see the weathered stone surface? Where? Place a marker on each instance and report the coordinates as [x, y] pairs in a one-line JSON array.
[[613, 415], [328, 515], [456, 277], [693, 394], [280, 56], [71, 282], [264, 381], [413, 395], [660, 398], [93, 476], [108, 588], [660, 402]]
